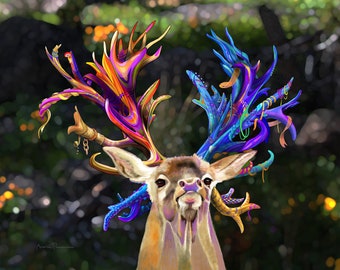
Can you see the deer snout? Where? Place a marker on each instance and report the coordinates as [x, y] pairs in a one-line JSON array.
[[190, 184], [188, 190]]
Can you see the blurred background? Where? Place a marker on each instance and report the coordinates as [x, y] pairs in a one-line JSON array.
[[52, 203]]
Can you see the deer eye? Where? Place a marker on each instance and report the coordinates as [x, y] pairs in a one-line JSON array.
[[207, 181], [160, 183]]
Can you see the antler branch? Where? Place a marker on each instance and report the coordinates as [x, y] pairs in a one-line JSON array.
[[83, 130], [220, 205]]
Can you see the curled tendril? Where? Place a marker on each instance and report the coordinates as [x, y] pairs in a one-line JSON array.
[[234, 212], [42, 127]]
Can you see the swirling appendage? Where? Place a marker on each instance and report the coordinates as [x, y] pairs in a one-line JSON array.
[[133, 202], [282, 138], [65, 95], [41, 129], [227, 199], [234, 212], [259, 167], [232, 80]]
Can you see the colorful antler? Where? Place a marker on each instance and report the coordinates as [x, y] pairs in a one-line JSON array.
[[241, 122], [116, 77]]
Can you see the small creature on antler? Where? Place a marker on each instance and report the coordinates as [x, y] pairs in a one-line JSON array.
[[177, 191]]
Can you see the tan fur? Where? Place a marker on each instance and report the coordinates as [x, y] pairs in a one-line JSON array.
[[179, 233]]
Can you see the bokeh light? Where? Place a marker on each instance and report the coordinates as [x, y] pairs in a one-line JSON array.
[[329, 204]]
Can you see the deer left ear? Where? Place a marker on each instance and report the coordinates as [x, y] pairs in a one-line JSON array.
[[229, 167], [129, 165]]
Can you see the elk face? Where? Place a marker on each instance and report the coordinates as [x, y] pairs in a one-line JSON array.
[[179, 187]]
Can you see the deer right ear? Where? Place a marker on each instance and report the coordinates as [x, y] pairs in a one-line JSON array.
[[129, 165], [229, 167]]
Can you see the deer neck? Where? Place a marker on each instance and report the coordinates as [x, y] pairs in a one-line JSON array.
[[163, 247]]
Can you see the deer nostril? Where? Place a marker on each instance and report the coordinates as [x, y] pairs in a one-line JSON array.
[[181, 183], [199, 183]]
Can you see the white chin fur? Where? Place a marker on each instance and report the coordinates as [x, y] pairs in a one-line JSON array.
[[188, 204]]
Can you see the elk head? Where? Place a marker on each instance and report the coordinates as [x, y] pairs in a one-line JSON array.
[[180, 189]]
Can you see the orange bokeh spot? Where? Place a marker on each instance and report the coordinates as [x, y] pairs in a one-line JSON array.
[[23, 127], [108, 29], [2, 179], [96, 38], [330, 262], [28, 191], [255, 220], [193, 21], [101, 32], [21, 191], [11, 186], [35, 114], [320, 199], [329, 203], [217, 218], [111, 27], [122, 28], [291, 202], [30, 126], [2, 198], [88, 30]]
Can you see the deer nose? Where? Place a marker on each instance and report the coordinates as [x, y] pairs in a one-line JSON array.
[[190, 184]]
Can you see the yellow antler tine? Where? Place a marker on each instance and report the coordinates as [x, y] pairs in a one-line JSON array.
[[158, 39], [41, 129]]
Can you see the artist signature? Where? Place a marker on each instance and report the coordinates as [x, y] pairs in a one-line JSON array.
[[51, 246]]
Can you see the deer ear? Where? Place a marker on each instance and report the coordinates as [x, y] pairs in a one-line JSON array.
[[229, 167], [129, 165]]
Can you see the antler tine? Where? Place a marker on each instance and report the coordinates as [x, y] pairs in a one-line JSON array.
[[235, 212]]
